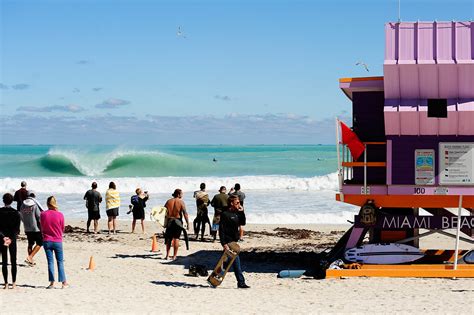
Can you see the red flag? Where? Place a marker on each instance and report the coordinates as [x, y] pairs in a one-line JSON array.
[[350, 139]]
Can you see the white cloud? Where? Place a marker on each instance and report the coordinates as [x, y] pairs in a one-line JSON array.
[[112, 103]]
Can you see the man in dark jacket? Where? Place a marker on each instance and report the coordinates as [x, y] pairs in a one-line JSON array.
[[20, 195], [229, 232], [9, 227], [219, 203]]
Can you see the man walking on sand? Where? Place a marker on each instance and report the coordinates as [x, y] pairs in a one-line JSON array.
[[229, 224], [176, 211], [237, 192], [93, 199], [20, 195], [30, 214]]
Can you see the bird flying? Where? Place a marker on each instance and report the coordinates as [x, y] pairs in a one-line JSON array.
[[360, 63]]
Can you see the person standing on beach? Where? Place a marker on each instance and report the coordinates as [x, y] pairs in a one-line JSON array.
[[93, 198], [230, 222], [139, 204], [219, 203], [52, 224], [176, 211], [112, 201], [9, 228], [202, 216], [30, 214], [20, 195], [241, 195]]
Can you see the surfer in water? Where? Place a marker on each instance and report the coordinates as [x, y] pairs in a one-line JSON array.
[[176, 211]]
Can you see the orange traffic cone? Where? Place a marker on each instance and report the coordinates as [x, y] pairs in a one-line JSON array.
[[91, 264], [154, 244]]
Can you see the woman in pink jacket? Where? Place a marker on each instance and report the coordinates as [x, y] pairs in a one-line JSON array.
[[52, 227]]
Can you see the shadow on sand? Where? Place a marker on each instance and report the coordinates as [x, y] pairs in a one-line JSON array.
[[253, 261], [142, 256], [179, 284]]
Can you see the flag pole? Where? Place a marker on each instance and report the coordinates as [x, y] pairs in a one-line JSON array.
[[458, 231], [339, 166]]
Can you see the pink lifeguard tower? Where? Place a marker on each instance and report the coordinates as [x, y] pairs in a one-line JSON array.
[[417, 125]]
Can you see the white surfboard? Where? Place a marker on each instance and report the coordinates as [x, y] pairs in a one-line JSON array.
[[379, 254], [158, 214]]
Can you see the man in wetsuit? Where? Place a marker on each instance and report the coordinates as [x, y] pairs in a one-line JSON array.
[[219, 202], [202, 217]]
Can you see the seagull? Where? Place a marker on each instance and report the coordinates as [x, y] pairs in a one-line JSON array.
[[360, 63], [180, 33]]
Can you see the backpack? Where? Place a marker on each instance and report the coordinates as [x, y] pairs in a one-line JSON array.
[[134, 200]]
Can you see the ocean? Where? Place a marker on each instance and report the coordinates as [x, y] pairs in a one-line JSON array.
[[286, 184]]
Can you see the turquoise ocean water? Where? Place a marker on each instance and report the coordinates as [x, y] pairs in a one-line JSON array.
[[283, 183]]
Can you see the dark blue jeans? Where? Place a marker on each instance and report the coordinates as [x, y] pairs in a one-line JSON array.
[[238, 271], [57, 248]]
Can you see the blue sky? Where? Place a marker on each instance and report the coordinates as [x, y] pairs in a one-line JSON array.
[[239, 72]]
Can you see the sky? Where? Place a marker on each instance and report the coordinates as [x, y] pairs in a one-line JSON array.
[[190, 72]]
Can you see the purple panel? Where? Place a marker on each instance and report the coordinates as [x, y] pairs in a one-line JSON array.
[[409, 121], [391, 81], [391, 117], [429, 190], [391, 49], [403, 152], [466, 80], [426, 42], [466, 118], [448, 81], [444, 42], [356, 189], [407, 41], [449, 125], [428, 75], [428, 125], [389, 162], [409, 83], [463, 42]]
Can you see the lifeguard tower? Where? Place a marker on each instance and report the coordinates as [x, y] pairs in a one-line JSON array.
[[416, 124]]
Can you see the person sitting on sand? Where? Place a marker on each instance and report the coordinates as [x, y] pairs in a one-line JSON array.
[[9, 228], [52, 227], [93, 198], [30, 215], [139, 204], [176, 211], [229, 224], [112, 201], [219, 203], [202, 217]]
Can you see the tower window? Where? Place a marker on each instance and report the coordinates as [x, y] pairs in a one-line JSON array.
[[438, 107]]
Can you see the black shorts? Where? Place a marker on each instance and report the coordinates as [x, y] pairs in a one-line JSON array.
[[34, 238], [172, 231], [114, 212], [93, 215], [138, 214]]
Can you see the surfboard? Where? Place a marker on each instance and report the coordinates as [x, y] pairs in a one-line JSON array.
[[377, 254], [158, 214]]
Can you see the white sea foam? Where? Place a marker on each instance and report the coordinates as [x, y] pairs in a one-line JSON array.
[[67, 185], [270, 199]]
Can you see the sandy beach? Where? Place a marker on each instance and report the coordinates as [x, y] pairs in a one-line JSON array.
[[129, 278]]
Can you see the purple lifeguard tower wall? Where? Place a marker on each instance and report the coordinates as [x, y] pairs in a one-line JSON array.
[[426, 60]]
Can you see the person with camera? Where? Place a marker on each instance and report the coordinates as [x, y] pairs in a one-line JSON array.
[[139, 204]]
